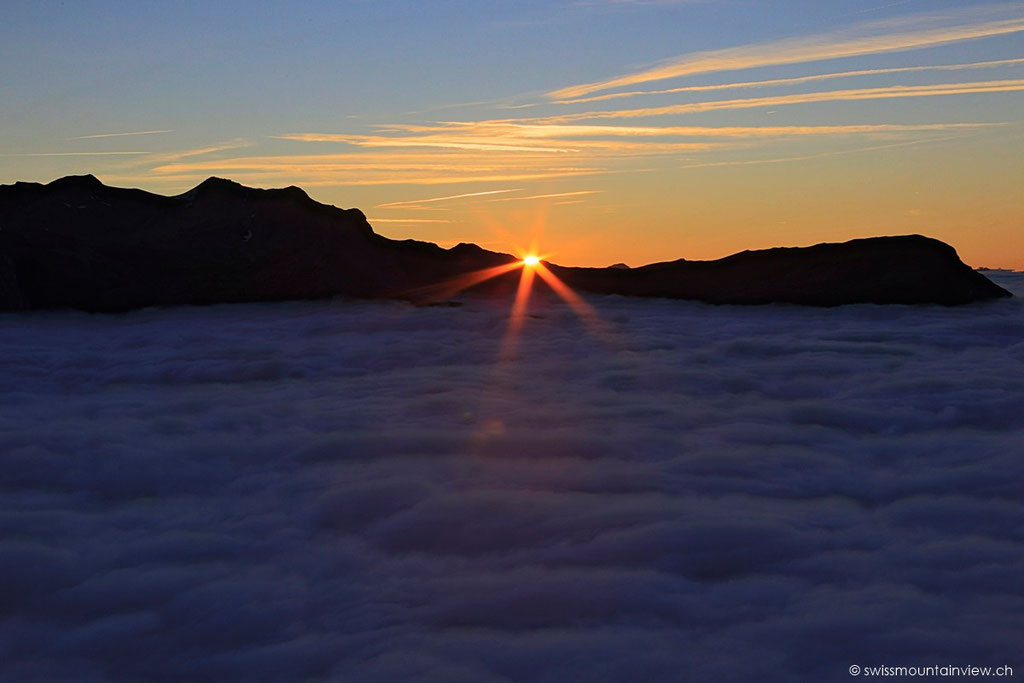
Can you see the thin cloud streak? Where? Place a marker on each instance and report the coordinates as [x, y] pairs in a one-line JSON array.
[[439, 165], [120, 135], [371, 161], [815, 48], [546, 130], [441, 137], [444, 143], [555, 146], [546, 196], [371, 167], [897, 91], [200, 151], [329, 178], [312, 137], [71, 154], [444, 199], [544, 136], [794, 81], [408, 220]]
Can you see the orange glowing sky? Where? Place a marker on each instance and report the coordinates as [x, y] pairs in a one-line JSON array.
[[611, 130]]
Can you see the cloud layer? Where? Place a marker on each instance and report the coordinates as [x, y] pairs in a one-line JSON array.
[[361, 491]]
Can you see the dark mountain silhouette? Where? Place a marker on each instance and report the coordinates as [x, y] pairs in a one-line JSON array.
[[77, 243]]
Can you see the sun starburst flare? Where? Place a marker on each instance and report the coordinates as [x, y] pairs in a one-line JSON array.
[[449, 288], [510, 341], [533, 265], [531, 262]]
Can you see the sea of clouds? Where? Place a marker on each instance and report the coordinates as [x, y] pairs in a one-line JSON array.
[[372, 492]]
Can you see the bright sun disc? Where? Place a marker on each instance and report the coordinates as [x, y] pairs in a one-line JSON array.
[[531, 260]]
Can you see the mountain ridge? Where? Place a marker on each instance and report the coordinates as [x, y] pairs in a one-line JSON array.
[[78, 243]]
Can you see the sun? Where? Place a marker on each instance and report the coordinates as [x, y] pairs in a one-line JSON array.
[[531, 260]]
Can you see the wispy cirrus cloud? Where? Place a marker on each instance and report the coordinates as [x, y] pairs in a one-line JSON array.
[[558, 134], [550, 195], [313, 170], [434, 158], [307, 177], [164, 157], [437, 141], [440, 161], [524, 129], [70, 154], [120, 135], [863, 39], [408, 220], [155, 161], [795, 80], [447, 137], [896, 91], [448, 198]]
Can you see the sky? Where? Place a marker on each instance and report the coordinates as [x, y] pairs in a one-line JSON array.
[[604, 131]]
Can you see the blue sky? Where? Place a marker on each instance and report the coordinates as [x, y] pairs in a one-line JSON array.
[[833, 118]]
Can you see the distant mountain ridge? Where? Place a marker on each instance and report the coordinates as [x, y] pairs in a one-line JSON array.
[[77, 243]]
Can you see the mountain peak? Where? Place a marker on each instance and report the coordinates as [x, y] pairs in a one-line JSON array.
[[225, 186], [215, 183], [87, 181]]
